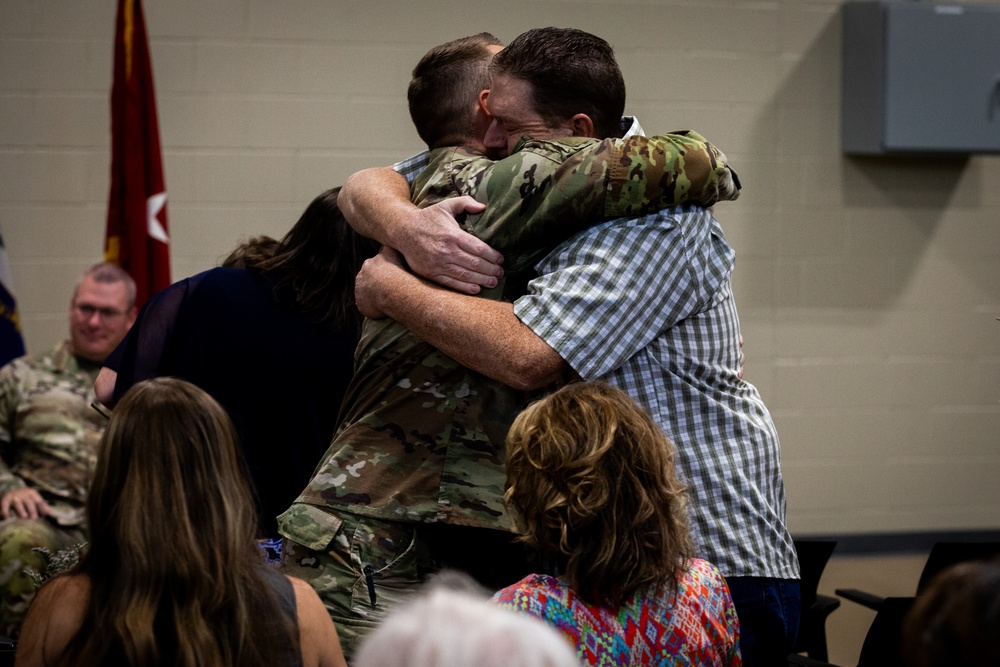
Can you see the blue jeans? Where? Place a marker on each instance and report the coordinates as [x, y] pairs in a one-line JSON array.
[[769, 611]]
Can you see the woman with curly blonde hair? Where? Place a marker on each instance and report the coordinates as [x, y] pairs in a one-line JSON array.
[[172, 575], [591, 482]]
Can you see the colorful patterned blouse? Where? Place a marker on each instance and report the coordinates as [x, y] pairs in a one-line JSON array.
[[695, 627]]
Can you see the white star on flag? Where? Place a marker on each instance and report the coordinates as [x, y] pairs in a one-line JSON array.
[[154, 205]]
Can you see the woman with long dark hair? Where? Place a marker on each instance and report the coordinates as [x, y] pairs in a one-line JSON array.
[[172, 575], [271, 336]]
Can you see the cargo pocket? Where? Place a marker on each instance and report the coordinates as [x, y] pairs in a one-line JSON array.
[[312, 527]]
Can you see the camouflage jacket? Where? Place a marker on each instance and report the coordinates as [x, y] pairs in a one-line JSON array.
[[421, 436], [49, 434]]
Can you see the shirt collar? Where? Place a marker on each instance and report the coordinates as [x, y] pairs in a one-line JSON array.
[[631, 127]]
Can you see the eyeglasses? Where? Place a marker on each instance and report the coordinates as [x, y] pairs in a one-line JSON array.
[[87, 311]]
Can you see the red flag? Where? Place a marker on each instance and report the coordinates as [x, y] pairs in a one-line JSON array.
[[137, 207]]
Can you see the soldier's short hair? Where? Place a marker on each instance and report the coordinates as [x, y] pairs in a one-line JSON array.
[[571, 72], [444, 88], [104, 272]]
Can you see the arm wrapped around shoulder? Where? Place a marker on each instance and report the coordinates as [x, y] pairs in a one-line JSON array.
[[651, 173]]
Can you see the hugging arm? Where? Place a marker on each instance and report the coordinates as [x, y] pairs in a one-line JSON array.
[[376, 202], [481, 334]]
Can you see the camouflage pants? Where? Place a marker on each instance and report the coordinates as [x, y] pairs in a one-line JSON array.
[[360, 567], [18, 539]]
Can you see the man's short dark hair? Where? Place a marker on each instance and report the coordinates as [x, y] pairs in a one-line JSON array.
[[445, 86], [571, 72]]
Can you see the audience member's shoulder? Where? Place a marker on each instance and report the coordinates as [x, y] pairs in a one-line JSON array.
[[530, 588], [32, 361], [177, 292], [703, 572], [64, 592], [303, 591], [12, 367], [307, 603], [704, 587], [54, 617], [221, 274], [222, 284], [317, 634]]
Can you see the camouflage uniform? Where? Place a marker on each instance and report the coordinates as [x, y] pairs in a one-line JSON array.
[[422, 437], [49, 437]]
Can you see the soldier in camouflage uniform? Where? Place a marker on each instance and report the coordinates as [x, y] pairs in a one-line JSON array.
[[416, 471], [49, 435]]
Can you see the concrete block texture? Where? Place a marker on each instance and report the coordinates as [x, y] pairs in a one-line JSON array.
[[868, 288]]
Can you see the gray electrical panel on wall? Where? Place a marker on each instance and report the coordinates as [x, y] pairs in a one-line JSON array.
[[920, 78]]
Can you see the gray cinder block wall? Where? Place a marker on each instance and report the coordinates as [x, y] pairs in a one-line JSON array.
[[868, 288]]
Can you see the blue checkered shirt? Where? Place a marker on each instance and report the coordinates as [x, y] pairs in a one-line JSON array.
[[646, 304]]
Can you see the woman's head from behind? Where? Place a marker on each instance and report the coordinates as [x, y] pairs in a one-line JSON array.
[[175, 577], [169, 478], [316, 261], [591, 478], [956, 620]]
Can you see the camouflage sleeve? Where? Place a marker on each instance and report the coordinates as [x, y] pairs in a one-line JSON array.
[[9, 397], [546, 191], [651, 173]]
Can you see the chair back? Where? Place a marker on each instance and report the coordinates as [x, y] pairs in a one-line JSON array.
[[813, 557], [945, 554], [882, 643]]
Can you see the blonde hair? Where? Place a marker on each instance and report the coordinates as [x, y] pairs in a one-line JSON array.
[[176, 578], [591, 479], [452, 625]]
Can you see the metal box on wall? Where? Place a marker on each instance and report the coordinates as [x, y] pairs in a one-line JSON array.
[[920, 78]]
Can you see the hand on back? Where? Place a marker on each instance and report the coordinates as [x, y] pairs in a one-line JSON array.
[[441, 251]]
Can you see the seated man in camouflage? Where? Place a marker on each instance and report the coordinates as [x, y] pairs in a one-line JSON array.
[[49, 435], [414, 479]]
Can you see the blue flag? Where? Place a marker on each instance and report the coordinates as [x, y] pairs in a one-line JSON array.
[[11, 342]]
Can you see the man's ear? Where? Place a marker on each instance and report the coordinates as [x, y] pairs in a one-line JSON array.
[[582, 125], [481, 101]]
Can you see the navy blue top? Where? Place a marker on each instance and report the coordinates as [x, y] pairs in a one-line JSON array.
[[280, 375]]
